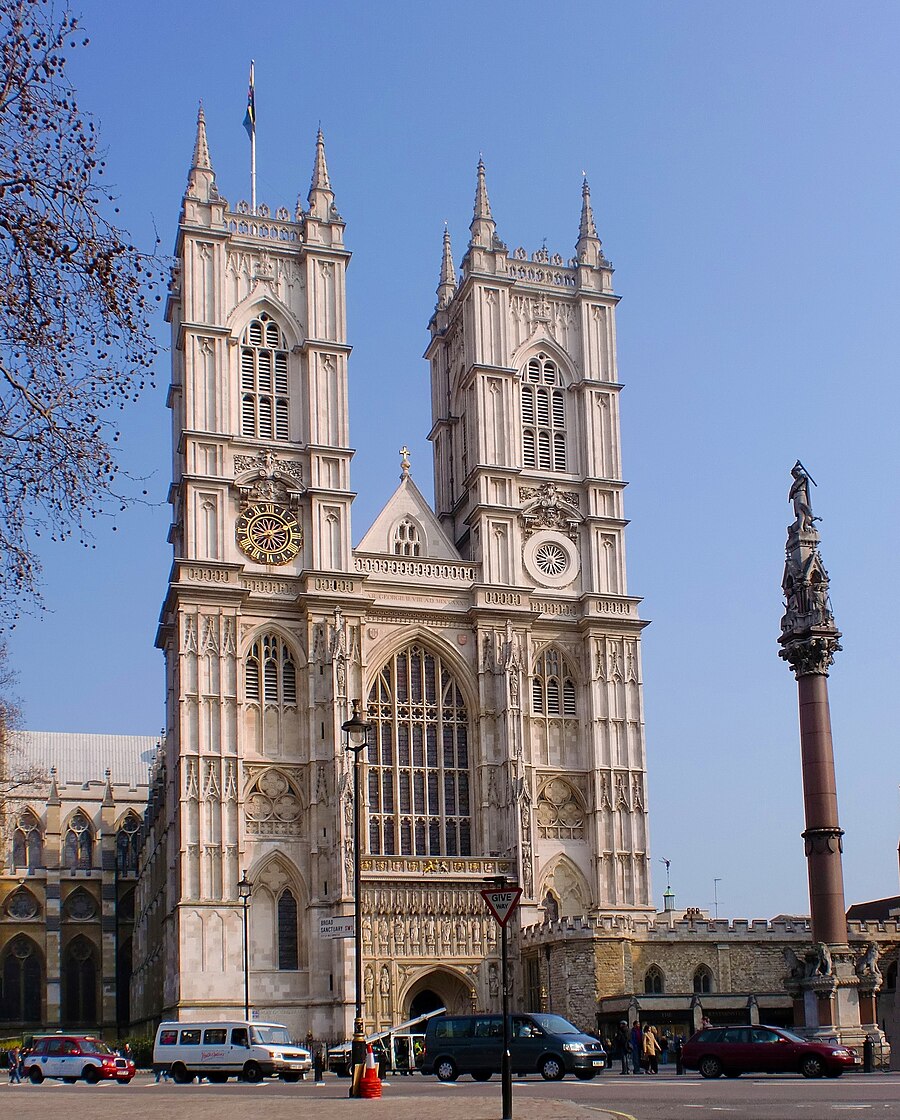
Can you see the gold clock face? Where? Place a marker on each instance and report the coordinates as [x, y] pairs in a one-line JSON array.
[[268, 534]]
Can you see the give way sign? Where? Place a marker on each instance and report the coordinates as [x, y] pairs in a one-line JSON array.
[[502, 903]]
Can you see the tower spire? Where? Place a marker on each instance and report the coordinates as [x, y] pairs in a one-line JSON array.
[[447, 284], [321, 197], [587, 247], [483, 227], [201, 178]]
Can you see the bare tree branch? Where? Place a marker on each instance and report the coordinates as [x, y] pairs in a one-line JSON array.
[[76, 304]]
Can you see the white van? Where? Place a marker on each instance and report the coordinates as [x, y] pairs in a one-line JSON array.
[[233, 1048]]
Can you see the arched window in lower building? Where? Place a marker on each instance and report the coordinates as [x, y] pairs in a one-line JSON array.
[[654, 984], [128, 840], [417, 764], [80, 982], [703, 981], [22, 979], [28, 842], [78, 846], [288, 947]]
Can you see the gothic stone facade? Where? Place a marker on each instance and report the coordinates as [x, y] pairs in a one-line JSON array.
[[492, 640], [67, 880]]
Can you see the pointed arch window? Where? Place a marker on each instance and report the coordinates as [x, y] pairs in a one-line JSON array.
[[288, 942], [21, 982], [269, 672], [128, 840], [78, 846], [28, 841], [80, 982], [703, 981], [553, 687], [654, 982], [417, 769], [265, 402], [407, 541], [543, 416]]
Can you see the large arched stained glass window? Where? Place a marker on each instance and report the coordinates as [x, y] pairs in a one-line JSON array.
[[21, 982], [418, 759]]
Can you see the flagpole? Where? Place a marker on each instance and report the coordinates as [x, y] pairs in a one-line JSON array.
[[253, 145]]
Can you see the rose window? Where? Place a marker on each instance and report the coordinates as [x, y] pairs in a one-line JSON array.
[[551, 558]]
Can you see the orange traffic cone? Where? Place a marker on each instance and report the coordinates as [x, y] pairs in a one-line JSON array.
[[370, 1086]]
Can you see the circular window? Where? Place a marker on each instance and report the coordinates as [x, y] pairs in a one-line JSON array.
[[551, 559]]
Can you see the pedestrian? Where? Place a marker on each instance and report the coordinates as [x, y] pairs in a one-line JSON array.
[[679, 1062], [622, 1045], [651, 1049], [12, 1062], [637, 1046]]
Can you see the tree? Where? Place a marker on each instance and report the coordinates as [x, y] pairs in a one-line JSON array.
[[75, 304]]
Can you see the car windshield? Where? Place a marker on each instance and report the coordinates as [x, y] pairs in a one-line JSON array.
[[272, 1036], [95, 1046], [790, 1034], [555, 1024]]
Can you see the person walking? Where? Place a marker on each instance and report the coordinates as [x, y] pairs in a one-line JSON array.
[[637, 1046], [13, 1063], [651, 1049], [622, 1044]]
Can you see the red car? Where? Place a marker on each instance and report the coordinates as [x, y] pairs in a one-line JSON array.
[[76, 1057], [737, 1050]]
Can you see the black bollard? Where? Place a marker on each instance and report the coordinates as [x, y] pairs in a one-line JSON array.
[[868, 1055]]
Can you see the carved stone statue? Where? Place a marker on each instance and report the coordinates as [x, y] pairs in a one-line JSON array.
[[867, 963], [799, 495]]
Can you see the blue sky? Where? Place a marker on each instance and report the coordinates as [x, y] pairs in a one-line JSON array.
[[746, 182]]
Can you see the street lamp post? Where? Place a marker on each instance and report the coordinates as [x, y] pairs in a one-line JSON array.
[[357, 732], [245, 889]]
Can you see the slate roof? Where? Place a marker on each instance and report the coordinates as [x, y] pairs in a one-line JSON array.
[[80, 759]]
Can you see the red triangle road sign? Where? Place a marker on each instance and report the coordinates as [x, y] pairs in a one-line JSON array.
[[502, 903]]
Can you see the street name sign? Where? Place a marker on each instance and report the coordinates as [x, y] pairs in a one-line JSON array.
[[336, 927], [502, 903]]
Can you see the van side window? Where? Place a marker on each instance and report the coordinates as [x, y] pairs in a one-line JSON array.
[[488, 1028], [453, 1028], [190, 1038], [168, 1038], [215, 1037], [239, 1037]]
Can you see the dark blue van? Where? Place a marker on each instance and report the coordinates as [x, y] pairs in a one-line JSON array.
[[540, 1043]]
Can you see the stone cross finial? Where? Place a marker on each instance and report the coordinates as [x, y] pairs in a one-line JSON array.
[[404, 462]]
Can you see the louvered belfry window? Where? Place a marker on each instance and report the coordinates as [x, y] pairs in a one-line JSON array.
[[543, 416], [552, 686], [269, 672], [417, 764], [264, 381]]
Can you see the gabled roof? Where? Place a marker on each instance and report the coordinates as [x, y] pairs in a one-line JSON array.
[[407, 501]]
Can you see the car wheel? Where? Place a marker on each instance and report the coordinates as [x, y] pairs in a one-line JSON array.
[[812, 1066], [290, 1078], [35, 1076], [584, 1074], [710, 1067], [552, 1069], [253, 1073], [834, 1072], [446, 1070], [180, 1074], [91, 1074], [481, 1074]]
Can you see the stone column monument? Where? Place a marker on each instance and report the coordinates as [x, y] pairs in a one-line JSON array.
[[825, 984]]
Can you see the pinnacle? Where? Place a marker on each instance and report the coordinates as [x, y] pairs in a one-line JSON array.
[[201, 148]]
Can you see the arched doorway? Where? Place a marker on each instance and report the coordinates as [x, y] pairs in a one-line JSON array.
[[435, 989]]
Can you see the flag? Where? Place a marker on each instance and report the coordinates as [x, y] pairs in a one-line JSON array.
[[250, 115]]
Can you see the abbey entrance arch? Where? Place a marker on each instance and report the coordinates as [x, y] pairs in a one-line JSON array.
[[437, 988]]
